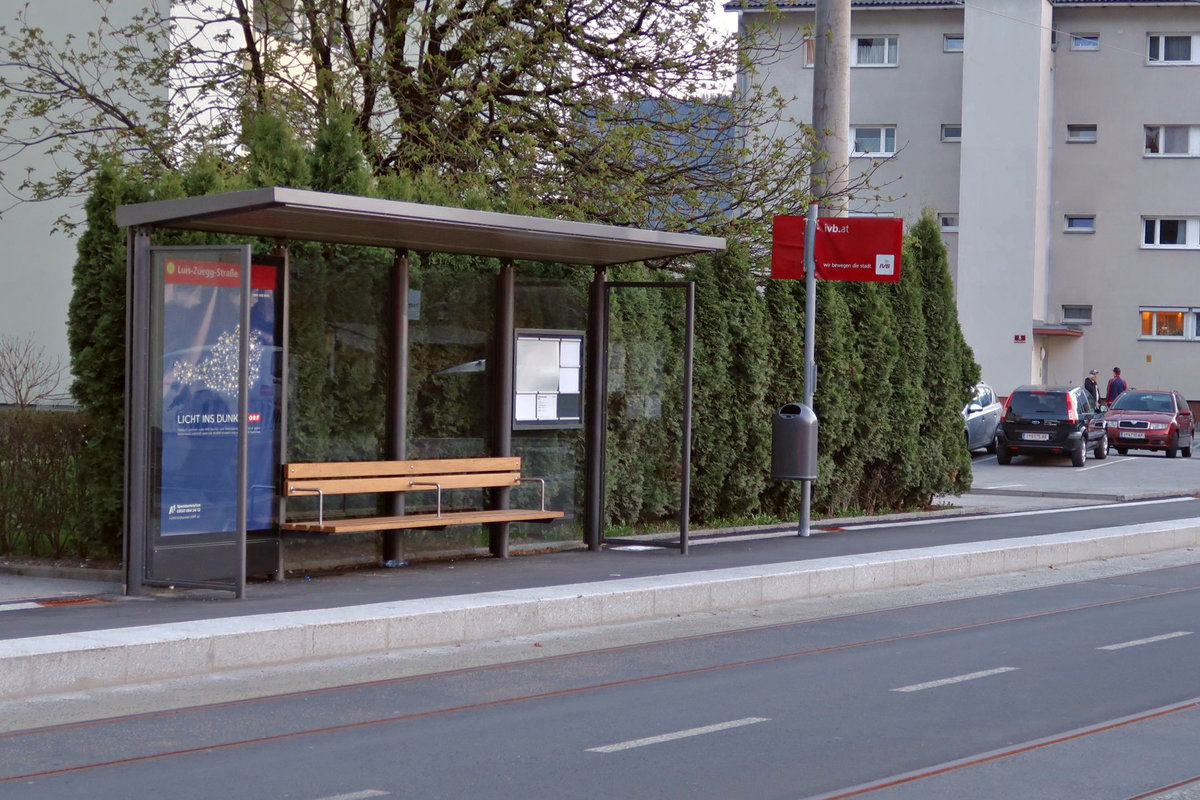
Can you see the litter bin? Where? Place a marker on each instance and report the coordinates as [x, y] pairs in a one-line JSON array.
[[794, 443]]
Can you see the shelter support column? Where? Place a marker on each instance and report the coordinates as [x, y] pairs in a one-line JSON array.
[[597, 343], [397, 401], [506, 290]]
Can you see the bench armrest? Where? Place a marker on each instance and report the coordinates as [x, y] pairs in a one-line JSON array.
[[439, 492], [542, 481], [320, 500]]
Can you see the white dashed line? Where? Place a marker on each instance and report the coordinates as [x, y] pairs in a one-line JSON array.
[[365, 794], [670, 737], [917, 687], [1148, 640], [18, 606]]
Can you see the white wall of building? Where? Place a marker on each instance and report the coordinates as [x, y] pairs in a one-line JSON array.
[[1005, 165]]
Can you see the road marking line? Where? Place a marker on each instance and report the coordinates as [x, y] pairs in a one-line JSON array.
[[363, 795], [669, 737], [1148, 640], [18, 606], [1039, 512], [1004, 486], [1105, 463], [916, 687]]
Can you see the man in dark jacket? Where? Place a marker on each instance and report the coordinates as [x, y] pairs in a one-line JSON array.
[[1092, 388], [1116, 385]]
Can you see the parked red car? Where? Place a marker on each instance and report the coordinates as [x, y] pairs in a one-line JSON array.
[[1147, 419]]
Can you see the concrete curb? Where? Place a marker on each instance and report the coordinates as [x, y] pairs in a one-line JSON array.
[[53, 664]]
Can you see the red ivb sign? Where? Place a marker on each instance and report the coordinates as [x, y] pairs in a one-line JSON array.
[[846, 249]]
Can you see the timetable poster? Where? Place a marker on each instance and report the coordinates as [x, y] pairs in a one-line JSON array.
[[200, 346]]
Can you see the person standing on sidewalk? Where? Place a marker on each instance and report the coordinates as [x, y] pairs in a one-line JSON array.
[[1092, 388], [1116, 385]]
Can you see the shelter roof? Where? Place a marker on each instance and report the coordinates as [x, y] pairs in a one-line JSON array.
[[279, 212]]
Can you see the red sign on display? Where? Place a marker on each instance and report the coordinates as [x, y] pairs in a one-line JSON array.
[[846, 248]]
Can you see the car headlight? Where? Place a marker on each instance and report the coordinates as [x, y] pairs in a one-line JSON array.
[[1159, 426]]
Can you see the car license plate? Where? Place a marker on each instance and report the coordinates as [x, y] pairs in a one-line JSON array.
[[1132, 435], [1036, 437]]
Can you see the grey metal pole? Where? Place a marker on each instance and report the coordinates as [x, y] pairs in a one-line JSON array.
[[137, 411], [685, 491], [397, 412], [243, 434], [505, 344], [810, 347], [594, 412]]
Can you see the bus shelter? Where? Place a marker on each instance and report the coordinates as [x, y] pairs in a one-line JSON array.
[[208, 359]]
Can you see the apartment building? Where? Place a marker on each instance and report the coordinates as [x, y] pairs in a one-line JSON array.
[[1059, 143]]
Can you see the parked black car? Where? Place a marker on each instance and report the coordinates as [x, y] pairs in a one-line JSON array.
[[1050, 420]]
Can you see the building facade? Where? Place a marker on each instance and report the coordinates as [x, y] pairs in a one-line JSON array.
[[1059, 144]]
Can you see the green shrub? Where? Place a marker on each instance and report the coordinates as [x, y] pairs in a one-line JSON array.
[[42, 486]]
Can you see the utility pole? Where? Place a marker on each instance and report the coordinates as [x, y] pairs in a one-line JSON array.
[[831, 106], [829, 177]]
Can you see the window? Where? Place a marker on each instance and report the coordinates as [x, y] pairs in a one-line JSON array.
[[1077, 315], [1173, 140], [875, 140], [1085, 41], [874, 51], [1166, 48], [1081, 133], [1167, 323], [276, 17], [948, 220], [952, 43], [952, 133], [1170, 232], [810, 52], [1081, 223]]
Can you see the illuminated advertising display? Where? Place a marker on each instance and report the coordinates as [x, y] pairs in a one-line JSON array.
[[199, 337]]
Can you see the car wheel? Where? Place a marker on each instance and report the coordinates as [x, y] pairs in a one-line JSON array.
[[1187, 451], [1079, 455], [1173, 446], [991, 447], [1003, 457], [1101, 451], [1121, 450]]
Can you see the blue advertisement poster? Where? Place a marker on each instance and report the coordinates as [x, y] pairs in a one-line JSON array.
[[200, 332]]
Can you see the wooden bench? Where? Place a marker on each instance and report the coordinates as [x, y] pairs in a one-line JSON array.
[[431, 475]]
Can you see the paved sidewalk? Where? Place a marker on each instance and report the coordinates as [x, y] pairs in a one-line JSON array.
[[113, 641]]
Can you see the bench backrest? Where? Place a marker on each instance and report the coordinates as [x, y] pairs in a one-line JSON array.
[[353, 477]]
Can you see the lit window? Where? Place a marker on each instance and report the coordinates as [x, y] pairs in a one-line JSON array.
[[1169, 232], [1165, 48], [1085, 41], [1081, 223], [875, 140], [874, 51], [1077, 315], [948, 222], [1173, 140], [1166, 323], [952, 43], [952, 133]]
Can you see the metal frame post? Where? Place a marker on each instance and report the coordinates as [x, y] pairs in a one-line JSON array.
[[243, 432], [594, 411], [506, 292], [397, 400], [810, 349], [137, 417]]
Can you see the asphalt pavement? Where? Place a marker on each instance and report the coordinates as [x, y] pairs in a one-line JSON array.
[[60, 634]]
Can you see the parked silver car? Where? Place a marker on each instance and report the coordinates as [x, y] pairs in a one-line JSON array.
[[981, 416]]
